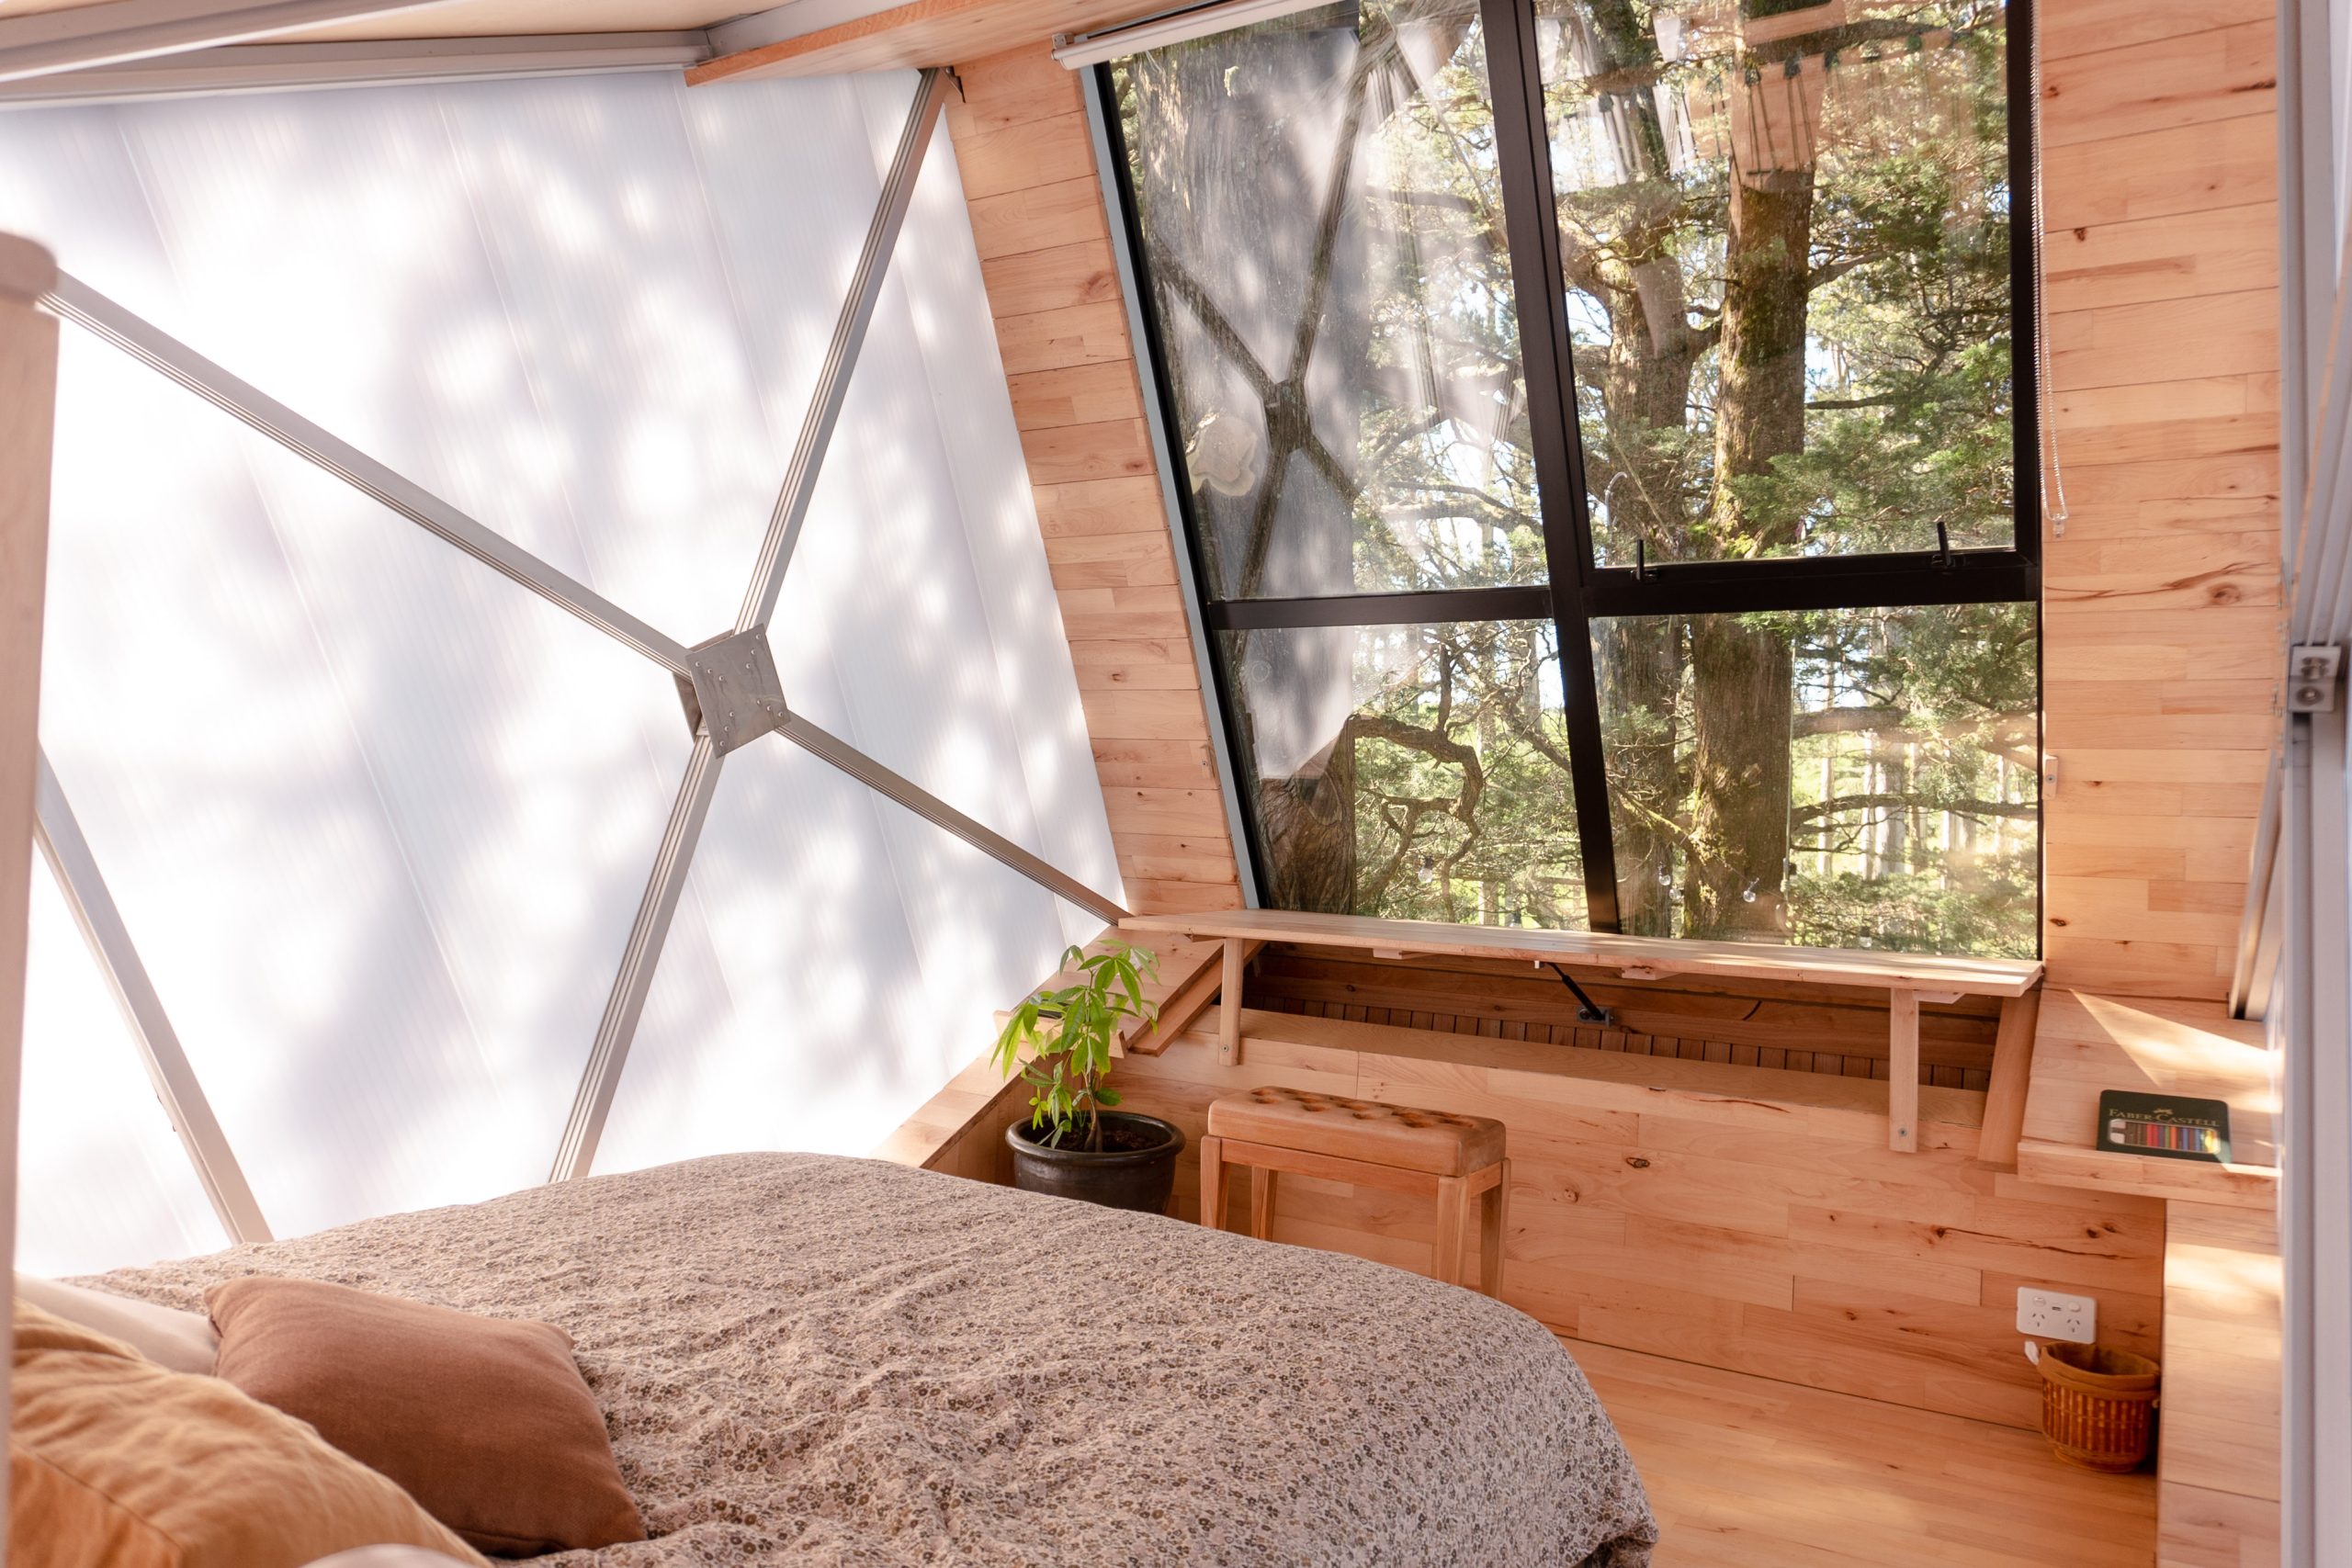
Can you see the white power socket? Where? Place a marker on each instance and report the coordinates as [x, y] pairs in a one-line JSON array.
[[2053, 1314]]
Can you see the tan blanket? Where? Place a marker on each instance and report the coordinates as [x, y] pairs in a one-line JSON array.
[[812, 1360]]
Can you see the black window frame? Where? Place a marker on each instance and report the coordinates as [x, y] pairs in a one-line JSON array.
[[1573, 599]]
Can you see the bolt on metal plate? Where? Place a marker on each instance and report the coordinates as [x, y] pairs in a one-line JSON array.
[[735, 694], [2312, 669]]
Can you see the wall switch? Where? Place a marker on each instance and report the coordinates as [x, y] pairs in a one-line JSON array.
[[2053, 1315]]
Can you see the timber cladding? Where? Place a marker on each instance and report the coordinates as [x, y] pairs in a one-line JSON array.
[[1027, 159], [1741, 1218], [2161, 596]]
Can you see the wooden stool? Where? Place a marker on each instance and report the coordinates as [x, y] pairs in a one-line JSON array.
[[1432, 1153]]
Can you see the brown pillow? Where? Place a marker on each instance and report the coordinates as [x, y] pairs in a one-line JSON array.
[[484, 1420], [116, 1461]]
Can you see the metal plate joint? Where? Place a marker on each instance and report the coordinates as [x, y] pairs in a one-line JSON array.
[[735, 694]]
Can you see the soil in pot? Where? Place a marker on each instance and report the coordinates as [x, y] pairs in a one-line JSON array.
[[1135, 1168]]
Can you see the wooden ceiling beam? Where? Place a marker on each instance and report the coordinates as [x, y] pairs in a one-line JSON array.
[[922, 33]]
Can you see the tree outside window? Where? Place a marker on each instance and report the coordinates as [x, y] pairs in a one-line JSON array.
[[1773, 516]]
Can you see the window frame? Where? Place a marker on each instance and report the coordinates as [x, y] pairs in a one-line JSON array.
[[1579, 591]]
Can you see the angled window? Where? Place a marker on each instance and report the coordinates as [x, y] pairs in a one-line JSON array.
[[1600, 430]]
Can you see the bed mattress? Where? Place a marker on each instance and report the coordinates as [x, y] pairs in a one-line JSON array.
[[805, 1359]]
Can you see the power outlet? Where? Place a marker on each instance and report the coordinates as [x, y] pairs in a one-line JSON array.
[[2053, 1314]]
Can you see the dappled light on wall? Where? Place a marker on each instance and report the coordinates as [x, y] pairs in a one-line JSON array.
[[377, 820]]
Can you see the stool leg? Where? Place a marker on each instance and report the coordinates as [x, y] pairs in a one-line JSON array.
[[1494, 1208], [1213, 1183], [1261, 1202], [1453, 1209]]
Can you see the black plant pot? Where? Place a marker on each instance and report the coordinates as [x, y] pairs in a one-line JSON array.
[[1116, 1179]]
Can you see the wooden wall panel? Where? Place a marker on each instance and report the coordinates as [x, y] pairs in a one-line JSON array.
[[1027, 158], [1725, 1225], [2161, 616], [2217, 1496]]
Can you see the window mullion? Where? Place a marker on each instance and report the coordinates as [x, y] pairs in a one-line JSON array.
[[1531, 230]]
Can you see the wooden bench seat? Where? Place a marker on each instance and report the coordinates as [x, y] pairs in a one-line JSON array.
[[1440, 1155]]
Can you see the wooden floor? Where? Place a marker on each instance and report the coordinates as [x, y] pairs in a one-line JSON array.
[[1745, 1472]]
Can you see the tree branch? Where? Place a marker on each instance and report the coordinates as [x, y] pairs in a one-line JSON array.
[[1906, 802]]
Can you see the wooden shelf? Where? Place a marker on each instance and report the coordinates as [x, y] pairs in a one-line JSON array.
[[1636, 957], [1907, 978], [2087, 1043]]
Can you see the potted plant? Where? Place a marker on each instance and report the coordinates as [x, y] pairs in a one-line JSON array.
[[1074, 1145]]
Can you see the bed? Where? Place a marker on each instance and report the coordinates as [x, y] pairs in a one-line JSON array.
[[811, 1359]]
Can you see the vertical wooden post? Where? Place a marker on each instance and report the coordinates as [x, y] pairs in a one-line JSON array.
[[1228, 1027], [2012, 1076], [1212, 1183], [1261, 1202], [28, 405], [1903, 1071], [1494, 1216], [1452, 1211]]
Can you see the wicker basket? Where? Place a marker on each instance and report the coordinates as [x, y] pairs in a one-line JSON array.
[[2097, 1405]]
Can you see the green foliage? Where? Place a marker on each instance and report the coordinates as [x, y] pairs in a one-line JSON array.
[[1060, 1040]]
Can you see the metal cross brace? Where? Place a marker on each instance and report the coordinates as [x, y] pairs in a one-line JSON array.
[[728, 684]]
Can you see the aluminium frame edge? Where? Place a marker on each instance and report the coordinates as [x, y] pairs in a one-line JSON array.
[[1158, 408], [223, 69]]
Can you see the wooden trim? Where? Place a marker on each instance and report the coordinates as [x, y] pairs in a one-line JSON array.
[[1330, 1168], [924, 32], [2012, 1075], [1229, 1023], [28, 410], [1634, 957], [1903, 1071]]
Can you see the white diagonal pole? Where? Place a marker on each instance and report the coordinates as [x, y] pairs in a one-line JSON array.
[[841, 355], [931, 809], [618, 1030], [76, 301], [68, 852]]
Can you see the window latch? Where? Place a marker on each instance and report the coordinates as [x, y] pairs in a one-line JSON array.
[[1943, 559], [2312, 669]]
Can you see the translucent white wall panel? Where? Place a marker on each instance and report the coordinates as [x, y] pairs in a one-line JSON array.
[[935, 279], [380, 818], [105, 1180], [918, 623], [376, 819], [790, 1009]]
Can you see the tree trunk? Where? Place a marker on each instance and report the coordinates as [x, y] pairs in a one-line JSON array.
[[1309, 824], [1742, 667]]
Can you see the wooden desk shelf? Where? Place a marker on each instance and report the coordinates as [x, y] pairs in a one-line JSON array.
[[1907, 978], [2085, 1043]]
